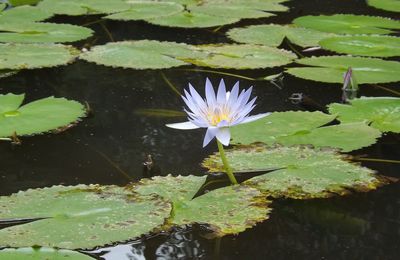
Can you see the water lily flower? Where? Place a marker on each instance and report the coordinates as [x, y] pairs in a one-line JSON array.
[[218, 111]]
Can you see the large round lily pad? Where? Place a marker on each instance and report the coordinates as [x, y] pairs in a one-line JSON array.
[[290, 128], [244, 56], [228, 210], [29, 253], [371, 45], [306, 173], [274, 34], [23, 14], [388, 5], [348, 24], [83, 7], [143, 54], [82, 216], [30, 56], [382, 113], [332, 69], [36, 117], [42, 32]]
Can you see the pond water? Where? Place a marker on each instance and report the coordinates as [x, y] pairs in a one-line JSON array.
[[114, 141]]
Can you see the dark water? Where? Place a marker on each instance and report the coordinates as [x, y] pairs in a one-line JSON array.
[[115, 139]]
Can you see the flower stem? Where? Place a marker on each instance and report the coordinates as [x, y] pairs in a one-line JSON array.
[[226, 164]]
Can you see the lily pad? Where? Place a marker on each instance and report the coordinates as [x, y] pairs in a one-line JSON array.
[[42, 32], [36, 117], [23, 2], [83, 7], [192, 20], [29, 253], [244, 56], [379, 46], [31, 56], [241, 11], [382, 113], [307, 173], [143, 54], [388, 5], [332, 68], [348, 24], [277, 124], [82, 216], [23, 14], [274, 34], [228, 210], [147, 10], [291, 128]]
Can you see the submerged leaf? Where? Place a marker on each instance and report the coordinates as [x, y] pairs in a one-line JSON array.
[[382, 113], [82, 216], [31, 56], [373, 45], [29, 253], [388, 5], [307, 173], [38, 116], [154, 112], [348, 24], [274, 34], [332, 69]]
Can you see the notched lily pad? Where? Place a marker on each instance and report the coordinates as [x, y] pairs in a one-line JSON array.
[[274, 34], [348, 24], [36, 117], [373, 45], [33, 56], [29, 253], [82, 216], [331, 69], [382, 113], [307, 172]]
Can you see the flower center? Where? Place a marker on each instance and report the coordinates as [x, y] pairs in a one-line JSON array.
[[216, 118]]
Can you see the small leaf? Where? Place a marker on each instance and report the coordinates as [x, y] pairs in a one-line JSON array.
[[348, 24], [36, 117], [382, 113], [332, 69], [379, 46], [82, 216], [307, 173], [29, 253]]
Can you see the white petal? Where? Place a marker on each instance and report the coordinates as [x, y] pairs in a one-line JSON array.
[[223, 123], [210, 94], [223, 135], [210, 134], [197, 98], [254, 118], [234, 94], [221, 95], [183, 126]]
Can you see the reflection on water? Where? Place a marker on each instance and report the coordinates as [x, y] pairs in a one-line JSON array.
[[131, 251]]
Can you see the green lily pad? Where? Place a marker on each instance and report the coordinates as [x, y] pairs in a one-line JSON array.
[[274, 34], [23, 14], [348, 24], [231, 11], [143, 54], [307, 173], [29, 253], [192, 20], [228, 210], [382, 113], [42, 32], [332, 69], [388, 5], [147, 10], [346, 137], [23, 2], [83, 7], [36, 117], [277, 124], [31, 56], [379, 46], [244, 56], [291, 128], [82, 216]]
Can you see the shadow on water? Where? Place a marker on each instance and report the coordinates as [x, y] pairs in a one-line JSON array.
[[115, 141]]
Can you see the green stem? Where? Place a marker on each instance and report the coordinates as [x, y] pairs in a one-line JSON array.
[[226, 164]]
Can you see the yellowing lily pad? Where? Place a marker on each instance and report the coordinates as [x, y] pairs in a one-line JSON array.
[[306, 172], [382, 113]]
